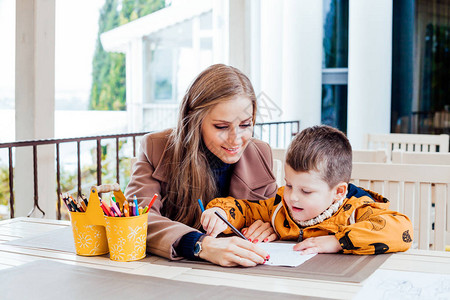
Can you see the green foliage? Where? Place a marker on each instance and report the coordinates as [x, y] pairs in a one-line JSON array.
[[4, 185], [108, 91]]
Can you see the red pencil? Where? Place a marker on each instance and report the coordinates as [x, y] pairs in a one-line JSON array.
[[152, 201], [104, 209], [110, 213]]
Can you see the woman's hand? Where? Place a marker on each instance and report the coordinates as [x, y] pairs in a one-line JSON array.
[[232, 251], [212, 224], [319, 244], [260, 231]]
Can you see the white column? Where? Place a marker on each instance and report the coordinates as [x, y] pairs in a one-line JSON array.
[[369, 69], [302, 61], [271, 57], [35, 103], [253, 54], [235, 32], [134, 64], [220, 32], [238, 33]]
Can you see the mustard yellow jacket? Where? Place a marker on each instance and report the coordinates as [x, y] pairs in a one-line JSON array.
[[363, 224]]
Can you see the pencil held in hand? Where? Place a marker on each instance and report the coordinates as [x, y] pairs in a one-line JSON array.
[[237, 232]]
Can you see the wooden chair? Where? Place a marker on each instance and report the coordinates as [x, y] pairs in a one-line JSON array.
[[280, 155], [410, 190], [278, 172], [425, 158], [408, 142], [369, 155]]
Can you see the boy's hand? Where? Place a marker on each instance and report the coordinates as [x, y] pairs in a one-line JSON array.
[[260, 231], [211, 223], [319, 244]]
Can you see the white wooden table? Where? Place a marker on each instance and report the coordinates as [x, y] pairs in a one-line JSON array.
[[12, 255]]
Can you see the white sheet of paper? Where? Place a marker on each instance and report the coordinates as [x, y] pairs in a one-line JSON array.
[[389, 284], [282, 254]]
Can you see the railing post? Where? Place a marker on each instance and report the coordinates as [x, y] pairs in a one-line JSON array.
[[58, 183], [11, 184], [99, 161], [117, 161], [35, 181], [78, 169]]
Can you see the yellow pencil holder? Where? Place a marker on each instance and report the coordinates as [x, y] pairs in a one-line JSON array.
[[127, 237], [95, 234], [88, 228]]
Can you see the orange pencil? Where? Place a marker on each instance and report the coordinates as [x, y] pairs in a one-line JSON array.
[[126, 209], [80, 208], [73, 203], [81, 203]]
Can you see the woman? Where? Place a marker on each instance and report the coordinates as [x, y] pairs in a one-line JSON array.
[[209, 154]]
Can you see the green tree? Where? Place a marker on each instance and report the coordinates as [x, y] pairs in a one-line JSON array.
[[108, 90]]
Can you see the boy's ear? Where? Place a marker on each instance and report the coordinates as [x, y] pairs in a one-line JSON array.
[[340, 191]]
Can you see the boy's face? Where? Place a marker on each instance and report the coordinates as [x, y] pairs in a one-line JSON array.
[[307, 195]]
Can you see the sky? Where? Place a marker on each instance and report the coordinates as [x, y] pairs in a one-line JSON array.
[[75, 37]]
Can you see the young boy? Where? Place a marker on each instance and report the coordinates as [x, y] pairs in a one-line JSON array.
[[318, 207]]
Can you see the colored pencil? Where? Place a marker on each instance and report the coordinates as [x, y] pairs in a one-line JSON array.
[[201, 205], [110, 213], [126, 209], [136, 207], [104, 209], [152, 201], [84, 199], [115, 208], [82, 203], [237, 232]]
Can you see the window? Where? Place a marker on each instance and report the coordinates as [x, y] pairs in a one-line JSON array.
[[431, 104], [335, 64]]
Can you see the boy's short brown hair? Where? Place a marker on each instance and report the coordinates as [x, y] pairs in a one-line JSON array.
[[323, 149]]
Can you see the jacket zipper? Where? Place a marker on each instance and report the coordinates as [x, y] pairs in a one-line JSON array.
[[300, 236]]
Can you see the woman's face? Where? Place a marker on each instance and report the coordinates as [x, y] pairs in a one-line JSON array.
[[227, 128]]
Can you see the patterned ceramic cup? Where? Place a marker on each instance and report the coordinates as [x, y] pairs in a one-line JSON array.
[[127, 237]]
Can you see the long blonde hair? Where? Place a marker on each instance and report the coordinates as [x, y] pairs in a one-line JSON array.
[[190, 177]]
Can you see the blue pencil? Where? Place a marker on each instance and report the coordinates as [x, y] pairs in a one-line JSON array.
[[136, 207], [201, 205]]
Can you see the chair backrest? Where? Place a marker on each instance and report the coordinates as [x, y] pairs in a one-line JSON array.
[[280, 155], [278, 172], [422, 158], [369, 155], [410, 189], [408, 142]]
